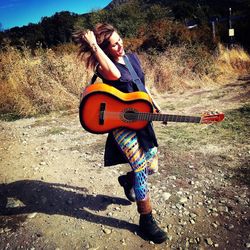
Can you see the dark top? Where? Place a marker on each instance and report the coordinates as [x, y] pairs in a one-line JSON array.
[[146, 136]]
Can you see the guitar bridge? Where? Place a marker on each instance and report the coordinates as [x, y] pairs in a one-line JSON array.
[[101, 114]]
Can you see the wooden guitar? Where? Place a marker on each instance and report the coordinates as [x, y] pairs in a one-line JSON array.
[[104, 108]]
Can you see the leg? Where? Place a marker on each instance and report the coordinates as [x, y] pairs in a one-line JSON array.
[[152, 159], [147, 223], [141, 163], [137, 179]]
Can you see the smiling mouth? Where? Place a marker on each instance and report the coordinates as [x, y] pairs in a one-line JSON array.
[[121, 51]]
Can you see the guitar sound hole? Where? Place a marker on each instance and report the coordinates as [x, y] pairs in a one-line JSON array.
[[129, 115]]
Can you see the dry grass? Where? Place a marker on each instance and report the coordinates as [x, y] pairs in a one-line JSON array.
[[232, 62], [41, 81], [180, 68], [171, 70]]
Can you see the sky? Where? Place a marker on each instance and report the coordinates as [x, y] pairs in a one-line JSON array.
[[22, 12]]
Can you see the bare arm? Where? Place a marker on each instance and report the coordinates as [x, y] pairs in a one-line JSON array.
[[156, 106], [106, 67]]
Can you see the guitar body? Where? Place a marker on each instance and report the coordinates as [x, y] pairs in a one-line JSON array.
[[104, 108]]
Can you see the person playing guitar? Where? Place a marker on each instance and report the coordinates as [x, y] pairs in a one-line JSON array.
[[102, 50]]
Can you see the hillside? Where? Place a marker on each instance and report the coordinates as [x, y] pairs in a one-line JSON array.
[[58, 29], [214, 7]]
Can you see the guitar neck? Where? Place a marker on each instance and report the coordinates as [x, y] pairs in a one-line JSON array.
[[168, 118]]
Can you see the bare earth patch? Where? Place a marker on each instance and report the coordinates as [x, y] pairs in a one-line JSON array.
[[56, 194]]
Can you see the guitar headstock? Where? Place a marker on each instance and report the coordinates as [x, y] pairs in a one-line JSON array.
[[212, 117]]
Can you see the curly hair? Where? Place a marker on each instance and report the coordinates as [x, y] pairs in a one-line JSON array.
[[103, 32]]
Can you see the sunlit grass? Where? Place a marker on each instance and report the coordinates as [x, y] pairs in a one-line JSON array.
[[45, 80], [234, 128], [37, 82]]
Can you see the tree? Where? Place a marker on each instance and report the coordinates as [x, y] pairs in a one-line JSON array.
[[58, 28]]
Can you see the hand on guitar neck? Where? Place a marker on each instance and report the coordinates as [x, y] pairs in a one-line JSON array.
[[157, 109]]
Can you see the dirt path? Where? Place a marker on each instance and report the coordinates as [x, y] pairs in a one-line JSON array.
[[56, 194]]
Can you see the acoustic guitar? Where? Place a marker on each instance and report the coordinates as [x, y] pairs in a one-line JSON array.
[[104, 108]]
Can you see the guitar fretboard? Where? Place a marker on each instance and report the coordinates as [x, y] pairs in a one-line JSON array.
[[164, 117]]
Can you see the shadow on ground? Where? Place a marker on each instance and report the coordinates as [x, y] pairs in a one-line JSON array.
[[29, 196], [242, 175]]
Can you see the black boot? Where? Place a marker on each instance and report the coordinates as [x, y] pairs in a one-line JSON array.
[[127, 182], [150, 229]]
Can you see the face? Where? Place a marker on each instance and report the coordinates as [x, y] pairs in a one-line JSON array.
[[115, 48]]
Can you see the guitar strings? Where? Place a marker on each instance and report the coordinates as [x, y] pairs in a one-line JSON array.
[[151, 116]]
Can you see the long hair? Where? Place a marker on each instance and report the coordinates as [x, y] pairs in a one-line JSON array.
[[103, 32]]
